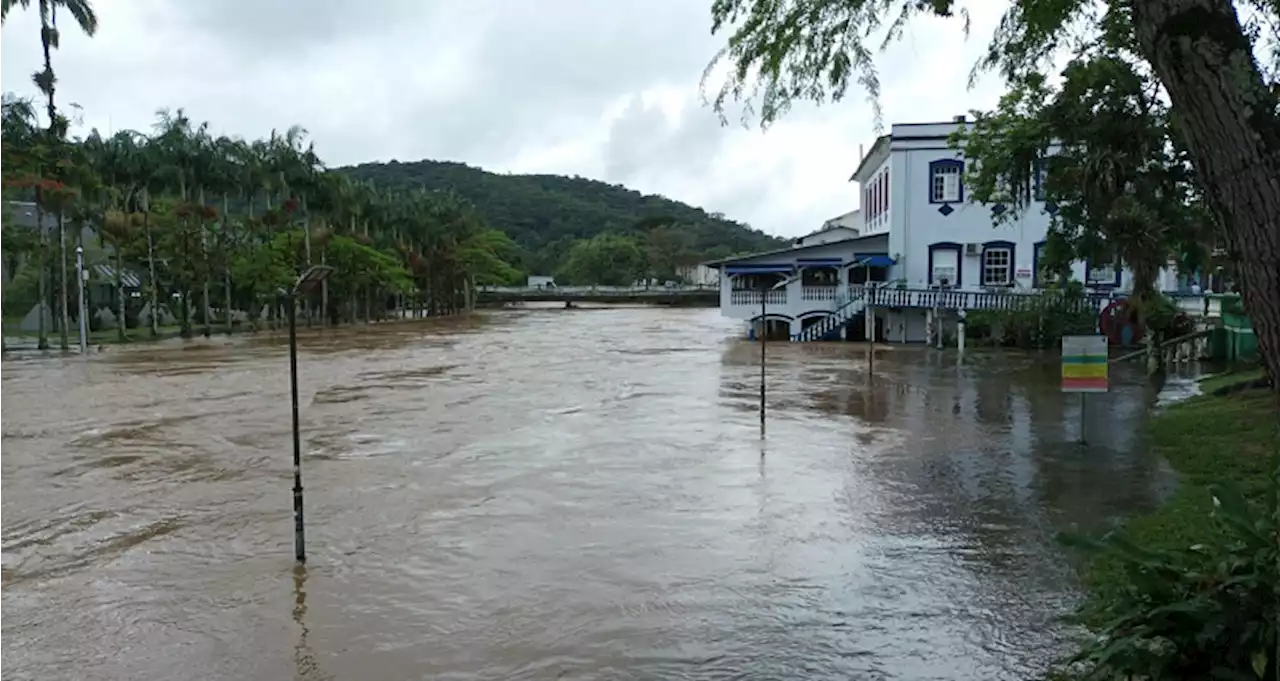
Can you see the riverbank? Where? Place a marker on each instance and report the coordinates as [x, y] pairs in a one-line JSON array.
[[1227, 434]]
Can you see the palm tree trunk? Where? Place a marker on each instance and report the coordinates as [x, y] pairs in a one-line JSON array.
[[42, 285], [205, 270], [65, 320], [226, 259], [324, 292], [153, 285], [121, 310], [306, 247]]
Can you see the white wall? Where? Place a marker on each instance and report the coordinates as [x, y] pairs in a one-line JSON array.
[[915, 221], [700, 275], [852, 220]]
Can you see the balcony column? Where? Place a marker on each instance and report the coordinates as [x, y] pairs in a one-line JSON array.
[[795, 292]]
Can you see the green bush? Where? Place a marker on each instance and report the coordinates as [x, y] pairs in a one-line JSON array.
[[1210, 611], [1039, 322]]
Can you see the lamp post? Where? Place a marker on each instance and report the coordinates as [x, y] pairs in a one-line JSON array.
[[764, 339], [306, 283], [81, 275]]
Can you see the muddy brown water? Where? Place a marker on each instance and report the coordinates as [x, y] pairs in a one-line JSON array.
[[550, 494]]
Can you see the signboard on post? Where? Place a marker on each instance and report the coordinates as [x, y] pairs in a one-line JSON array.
[[1084, 364]]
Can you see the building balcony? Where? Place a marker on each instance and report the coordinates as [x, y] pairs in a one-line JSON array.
[[751, 299], [797, 300]]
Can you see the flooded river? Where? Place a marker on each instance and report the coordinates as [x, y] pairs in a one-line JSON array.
[[550, 494]]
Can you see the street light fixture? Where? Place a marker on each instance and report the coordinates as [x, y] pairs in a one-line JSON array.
[[306, 283]]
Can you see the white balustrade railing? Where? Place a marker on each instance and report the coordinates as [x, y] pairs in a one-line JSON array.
[[818, 293], [747, 297]]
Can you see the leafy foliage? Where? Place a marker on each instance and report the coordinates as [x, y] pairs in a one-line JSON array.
[[1208, 611], [546, 214], [607, 259], [1100, 150], [1040, 323]]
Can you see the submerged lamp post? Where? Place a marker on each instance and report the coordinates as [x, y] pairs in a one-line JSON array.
[[306, 283], [764, 340]]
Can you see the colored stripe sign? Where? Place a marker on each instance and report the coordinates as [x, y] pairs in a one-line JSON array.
[[1084, 364]]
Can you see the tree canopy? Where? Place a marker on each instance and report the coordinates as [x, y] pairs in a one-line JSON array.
[[546, 214]]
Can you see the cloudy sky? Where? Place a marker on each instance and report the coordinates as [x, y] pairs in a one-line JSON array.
[[606, 89]]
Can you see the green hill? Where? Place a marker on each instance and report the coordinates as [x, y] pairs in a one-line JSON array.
[[546, 214]]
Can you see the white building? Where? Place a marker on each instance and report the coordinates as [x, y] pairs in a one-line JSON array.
[[919, 253], [700, 275], [838, 228]]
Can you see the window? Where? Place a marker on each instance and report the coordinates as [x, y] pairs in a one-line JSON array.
[[945, 177], [1043, 275], [886, 191], [997, 266], [944, 264], [1039, 178], [1102, 274]]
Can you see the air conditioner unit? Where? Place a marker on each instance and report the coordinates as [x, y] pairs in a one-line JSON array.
[[973, 249]]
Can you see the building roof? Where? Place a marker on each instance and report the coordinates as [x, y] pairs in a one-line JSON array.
[[827, 227], [24, 215], [829, 223], [789, 249], [881, 141]]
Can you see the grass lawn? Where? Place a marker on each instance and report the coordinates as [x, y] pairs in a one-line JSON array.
[[1226, 380], [1207, 439]]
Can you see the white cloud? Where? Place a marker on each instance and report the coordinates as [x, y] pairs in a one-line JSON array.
[[599, 89]]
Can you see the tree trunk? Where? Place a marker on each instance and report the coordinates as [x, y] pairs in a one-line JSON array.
[[324, 291], [42, 281], [1228, 118], [121, 310], [64, 293], [154, 285], [226, 260], [206, 271]]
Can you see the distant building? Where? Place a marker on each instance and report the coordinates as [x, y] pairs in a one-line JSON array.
[[847, 226], [700, 275], [541, 281]]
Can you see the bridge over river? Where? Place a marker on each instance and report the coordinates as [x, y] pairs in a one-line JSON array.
[[682, 296]]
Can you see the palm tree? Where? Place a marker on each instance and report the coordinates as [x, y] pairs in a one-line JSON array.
[[46, 81]]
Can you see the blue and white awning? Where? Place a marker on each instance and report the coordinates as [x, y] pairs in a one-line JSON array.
[[877, 260]]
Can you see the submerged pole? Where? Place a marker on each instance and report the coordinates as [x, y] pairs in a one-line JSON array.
[[299, 531], [764, 339]]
